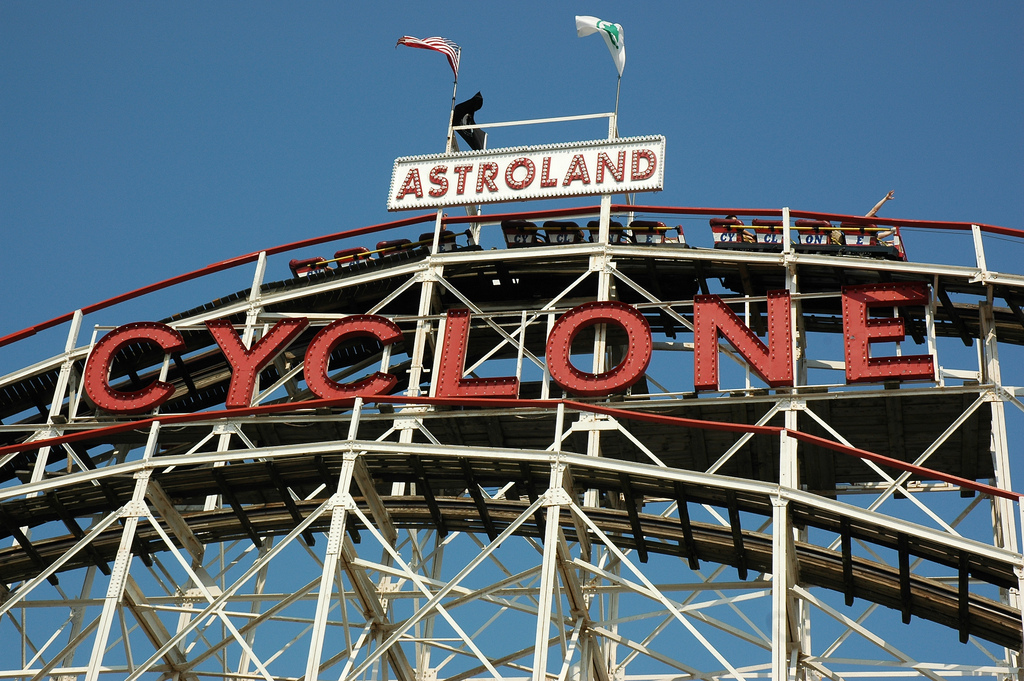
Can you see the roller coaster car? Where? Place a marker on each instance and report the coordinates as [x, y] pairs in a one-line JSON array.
[[563, 232], [617, 234], [351, 256], [304, 267], [392, 246], [731, 234], [819, 236], [652, 232], [446, 243], [520, 233]]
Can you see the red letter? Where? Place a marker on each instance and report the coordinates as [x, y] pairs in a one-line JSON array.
[[319, 352], [246, 364], [411, 185], [437, 177], [774, 364], [628, 371], [545, 173], [604, 161], [577, 171], [97, 371], [510, 171], [448, 380], [488, 171], [461, 171], [859, 332], [652, 163]]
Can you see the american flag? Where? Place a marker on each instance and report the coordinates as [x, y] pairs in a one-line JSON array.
[[446, 47]]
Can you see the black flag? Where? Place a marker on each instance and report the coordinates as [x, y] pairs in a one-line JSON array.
[[475, 137]]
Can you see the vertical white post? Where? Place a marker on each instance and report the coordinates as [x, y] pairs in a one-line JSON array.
[[122, 561], [555, 495], [604, 221], [545, 388], [979, 249], [787, 239], [59, 391], [1003, 518], [438, 226], [795, 323], [423, 329], [782, 546], [335, 535], [254, 298], [929, 320], [780, 590]]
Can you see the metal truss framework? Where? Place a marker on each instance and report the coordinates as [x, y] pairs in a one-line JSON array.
[[193, 546]]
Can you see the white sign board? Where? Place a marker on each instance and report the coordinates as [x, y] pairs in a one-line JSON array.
[[630, 164]]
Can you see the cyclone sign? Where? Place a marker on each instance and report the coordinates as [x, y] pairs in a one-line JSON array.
[[712, 318], [630, 164]]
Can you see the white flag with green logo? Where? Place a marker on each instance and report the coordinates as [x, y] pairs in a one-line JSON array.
[[612, 34]]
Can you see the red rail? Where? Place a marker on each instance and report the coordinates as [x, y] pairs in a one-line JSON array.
[[310, 405], [492, 218]]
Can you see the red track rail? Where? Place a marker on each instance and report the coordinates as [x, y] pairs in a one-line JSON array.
[[198, 417], [450, 220]]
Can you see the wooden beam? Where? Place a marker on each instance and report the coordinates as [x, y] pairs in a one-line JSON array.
[[531, 493], [478, 498], [739, 553], [634, 517], [229, 495], [286, 497], [26, 545], [687, 547], [847, 546], [954, 316], [964, 600], [73, 527], [1012, 304], [428, 495], [906, 597]]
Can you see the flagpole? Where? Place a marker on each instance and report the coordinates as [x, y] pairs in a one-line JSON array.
[[439, 221], [451, 118], [618, 85]]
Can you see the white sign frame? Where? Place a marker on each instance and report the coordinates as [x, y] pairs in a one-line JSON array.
[[629, 164]]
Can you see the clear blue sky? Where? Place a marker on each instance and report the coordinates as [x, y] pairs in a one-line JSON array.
[[142, 140]]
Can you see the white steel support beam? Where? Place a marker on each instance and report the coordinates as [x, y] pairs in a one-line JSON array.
[[331, 560], [553, 499], [424, 328], [654, 591], [228, 593], [119, 573], [434, 602], [373, 609], [1003, 516], [866, 633], [979, 250], [118, 577], [785, 622], [258, 589], [209, 594], [606, 211]]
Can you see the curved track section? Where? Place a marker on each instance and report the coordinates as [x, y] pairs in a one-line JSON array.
[[823, 531]]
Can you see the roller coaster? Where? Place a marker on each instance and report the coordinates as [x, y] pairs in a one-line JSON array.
[[490, 513]]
